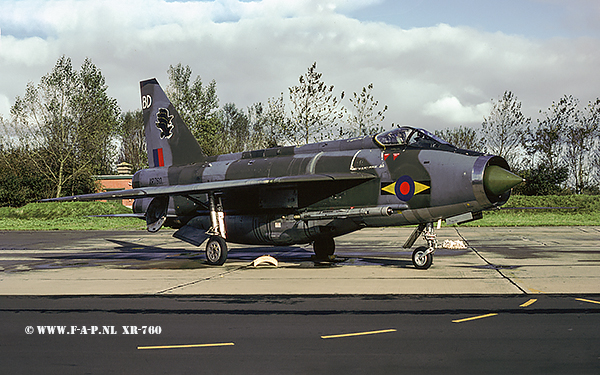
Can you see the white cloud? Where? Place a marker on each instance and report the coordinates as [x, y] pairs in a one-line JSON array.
[[451, 110], [28, 51], [432, 77]]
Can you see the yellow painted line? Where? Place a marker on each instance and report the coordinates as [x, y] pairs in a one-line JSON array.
[[474, 318], [587, 300], [358, 334], [186, 346], [529, 303]]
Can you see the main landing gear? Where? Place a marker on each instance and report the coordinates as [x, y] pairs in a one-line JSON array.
[[324, 248], [216, 251], [216, 247], [422, 257]]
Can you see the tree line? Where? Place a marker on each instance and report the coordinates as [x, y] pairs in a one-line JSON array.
[[66, 129], [558, 155]]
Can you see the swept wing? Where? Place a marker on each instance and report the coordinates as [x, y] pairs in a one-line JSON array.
[[215, 186]]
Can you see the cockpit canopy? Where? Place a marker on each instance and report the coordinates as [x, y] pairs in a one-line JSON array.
[[407, 136]]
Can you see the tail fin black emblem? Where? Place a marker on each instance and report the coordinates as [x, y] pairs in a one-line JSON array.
[[164, 123]]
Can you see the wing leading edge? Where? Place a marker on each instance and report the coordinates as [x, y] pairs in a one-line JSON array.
[[215, 186]]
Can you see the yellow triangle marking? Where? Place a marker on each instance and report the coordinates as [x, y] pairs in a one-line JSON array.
[[390, 188], [419, 187]]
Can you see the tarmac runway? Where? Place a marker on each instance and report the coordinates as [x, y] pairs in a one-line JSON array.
[[515, 334], [516, 300], [497, 261]]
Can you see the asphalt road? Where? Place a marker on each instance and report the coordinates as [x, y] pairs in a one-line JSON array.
[[554, 334], [516, 300]]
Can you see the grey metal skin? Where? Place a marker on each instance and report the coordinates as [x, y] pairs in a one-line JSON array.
[[311, 193], [266, 215]]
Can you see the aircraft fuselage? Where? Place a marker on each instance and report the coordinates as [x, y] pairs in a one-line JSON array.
[[431, 184]]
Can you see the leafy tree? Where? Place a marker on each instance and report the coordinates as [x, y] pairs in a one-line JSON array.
[[567, 137], [315, 111], [236, 126], [276, 121], [198, 106], [133, 140], [97, 117], [461, 137], [501, 131], [257, 124], [365, 119], [542, 180], [66, 123], [20, 183]]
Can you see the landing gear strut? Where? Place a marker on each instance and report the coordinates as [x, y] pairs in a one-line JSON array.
[[422, 257], [216, 248]]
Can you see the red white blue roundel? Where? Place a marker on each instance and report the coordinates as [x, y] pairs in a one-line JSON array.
[[405, 188]]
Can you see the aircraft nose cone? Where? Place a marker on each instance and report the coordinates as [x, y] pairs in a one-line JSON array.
[[498, 180]]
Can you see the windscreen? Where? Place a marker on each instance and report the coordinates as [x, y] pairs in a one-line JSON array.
[[424, 139], [394, 137]]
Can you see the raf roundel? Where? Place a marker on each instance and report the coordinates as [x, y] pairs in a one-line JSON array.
[[405, 188]]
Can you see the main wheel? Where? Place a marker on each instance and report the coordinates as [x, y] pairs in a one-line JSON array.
[[324, 247], [421, 261], [216, 251]]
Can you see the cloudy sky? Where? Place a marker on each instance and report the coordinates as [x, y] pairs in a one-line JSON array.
[[435, 63]]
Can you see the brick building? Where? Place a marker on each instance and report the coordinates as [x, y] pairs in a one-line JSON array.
[[121, 181]]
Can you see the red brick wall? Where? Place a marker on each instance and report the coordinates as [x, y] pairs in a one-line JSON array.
[[118, 182]]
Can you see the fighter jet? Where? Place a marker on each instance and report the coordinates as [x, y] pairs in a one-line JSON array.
[[306, 194]]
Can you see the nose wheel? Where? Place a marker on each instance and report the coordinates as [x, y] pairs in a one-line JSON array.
[[422, 259]]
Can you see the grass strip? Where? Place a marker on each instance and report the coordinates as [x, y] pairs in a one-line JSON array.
[[76, 215]]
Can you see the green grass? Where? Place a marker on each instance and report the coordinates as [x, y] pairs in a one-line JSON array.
[[587, 213], [68, 216], [76, 215]]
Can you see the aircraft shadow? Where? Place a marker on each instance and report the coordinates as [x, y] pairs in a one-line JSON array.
[[137, 256]]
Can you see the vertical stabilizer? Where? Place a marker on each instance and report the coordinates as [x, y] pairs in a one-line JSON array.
[[168, 140]]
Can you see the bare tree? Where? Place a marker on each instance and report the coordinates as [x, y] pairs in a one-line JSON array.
[[315, 110], [365, 119], [547, 140], [581, 144], [461, 137], [502, 130]]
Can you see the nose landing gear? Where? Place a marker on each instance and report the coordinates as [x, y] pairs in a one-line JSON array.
[[422, 257]]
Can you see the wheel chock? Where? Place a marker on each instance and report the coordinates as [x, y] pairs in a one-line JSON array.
[[264, 259]]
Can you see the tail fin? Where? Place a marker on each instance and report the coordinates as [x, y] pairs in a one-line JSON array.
[[168, 140]]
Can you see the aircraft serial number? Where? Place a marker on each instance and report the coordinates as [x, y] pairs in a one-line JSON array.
[[155, 181]]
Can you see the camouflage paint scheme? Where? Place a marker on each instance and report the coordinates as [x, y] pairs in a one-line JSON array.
[[294, 195]]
